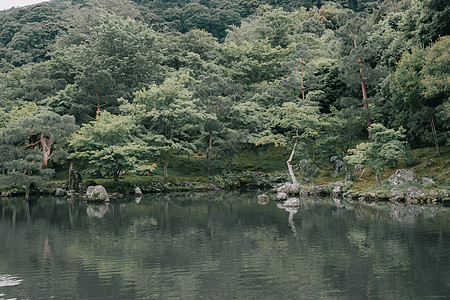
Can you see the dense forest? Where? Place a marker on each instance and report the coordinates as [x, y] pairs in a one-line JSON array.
[[114, 86]]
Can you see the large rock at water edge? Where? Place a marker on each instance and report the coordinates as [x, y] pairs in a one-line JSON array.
[[396, 194], [263, 199], [138, 191], [59, 192], [403, 176], [414, 193], [97, 193], [338, 188], [288, 188], [281, 196]]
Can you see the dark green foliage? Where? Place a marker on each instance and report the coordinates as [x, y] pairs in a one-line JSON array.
[[210, 79], [26, 34], [23, 155]]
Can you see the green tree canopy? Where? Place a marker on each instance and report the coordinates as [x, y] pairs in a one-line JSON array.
[[385, 151], [173, 120], [29, 143], [108, 146]]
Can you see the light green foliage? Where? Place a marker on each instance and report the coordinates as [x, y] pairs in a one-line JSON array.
[[249, 118], [255, 61], [435, 72], [15, 113], [173, 119], [290, 117], [385, 151], [109, 145]]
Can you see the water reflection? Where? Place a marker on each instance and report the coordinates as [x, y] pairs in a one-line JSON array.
[[97, 210], [9, 280], [223, 245]]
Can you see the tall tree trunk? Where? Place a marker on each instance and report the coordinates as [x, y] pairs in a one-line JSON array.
[[377, 177], [363, 87], [366, 104], [72, 180], [436, 143], [209, 153], [288, 162], [166, 164], [301, 80]]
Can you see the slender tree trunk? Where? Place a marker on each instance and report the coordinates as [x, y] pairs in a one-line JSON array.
[[313, 150], [166, 164], [433, 129], [71, 168], [366, 104], [288, 162], [301, 80], [363, 86], [209, 153]]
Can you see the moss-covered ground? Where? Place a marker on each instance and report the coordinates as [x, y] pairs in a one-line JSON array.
[[264, 166]]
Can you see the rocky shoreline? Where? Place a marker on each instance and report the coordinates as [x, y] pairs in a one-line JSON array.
[[403, 186]]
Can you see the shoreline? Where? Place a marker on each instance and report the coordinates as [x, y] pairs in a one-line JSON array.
[[344, 190]]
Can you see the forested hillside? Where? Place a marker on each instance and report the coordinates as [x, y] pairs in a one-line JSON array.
[[107, 86]]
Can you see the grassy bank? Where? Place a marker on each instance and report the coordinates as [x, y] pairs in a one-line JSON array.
[[262, 167]]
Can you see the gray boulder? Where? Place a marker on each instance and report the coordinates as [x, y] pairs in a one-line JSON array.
[[414, 193], [59, 192], [396, 194], [5, 194], [138, 191], [97, 193], [281, 196], [338, 188], [434, 194], [368, 196], [263, 199], [403, 176], [288, 188], [427, 180]]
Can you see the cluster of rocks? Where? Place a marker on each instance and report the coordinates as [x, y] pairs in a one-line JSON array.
[[95, 193], [405, 177], [404, 182]]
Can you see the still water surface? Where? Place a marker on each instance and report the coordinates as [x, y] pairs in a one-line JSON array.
[[222, 246]]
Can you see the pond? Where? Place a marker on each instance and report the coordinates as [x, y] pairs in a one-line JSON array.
[[222, 245]]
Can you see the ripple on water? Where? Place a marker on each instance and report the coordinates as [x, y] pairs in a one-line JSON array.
[[9, 280]]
